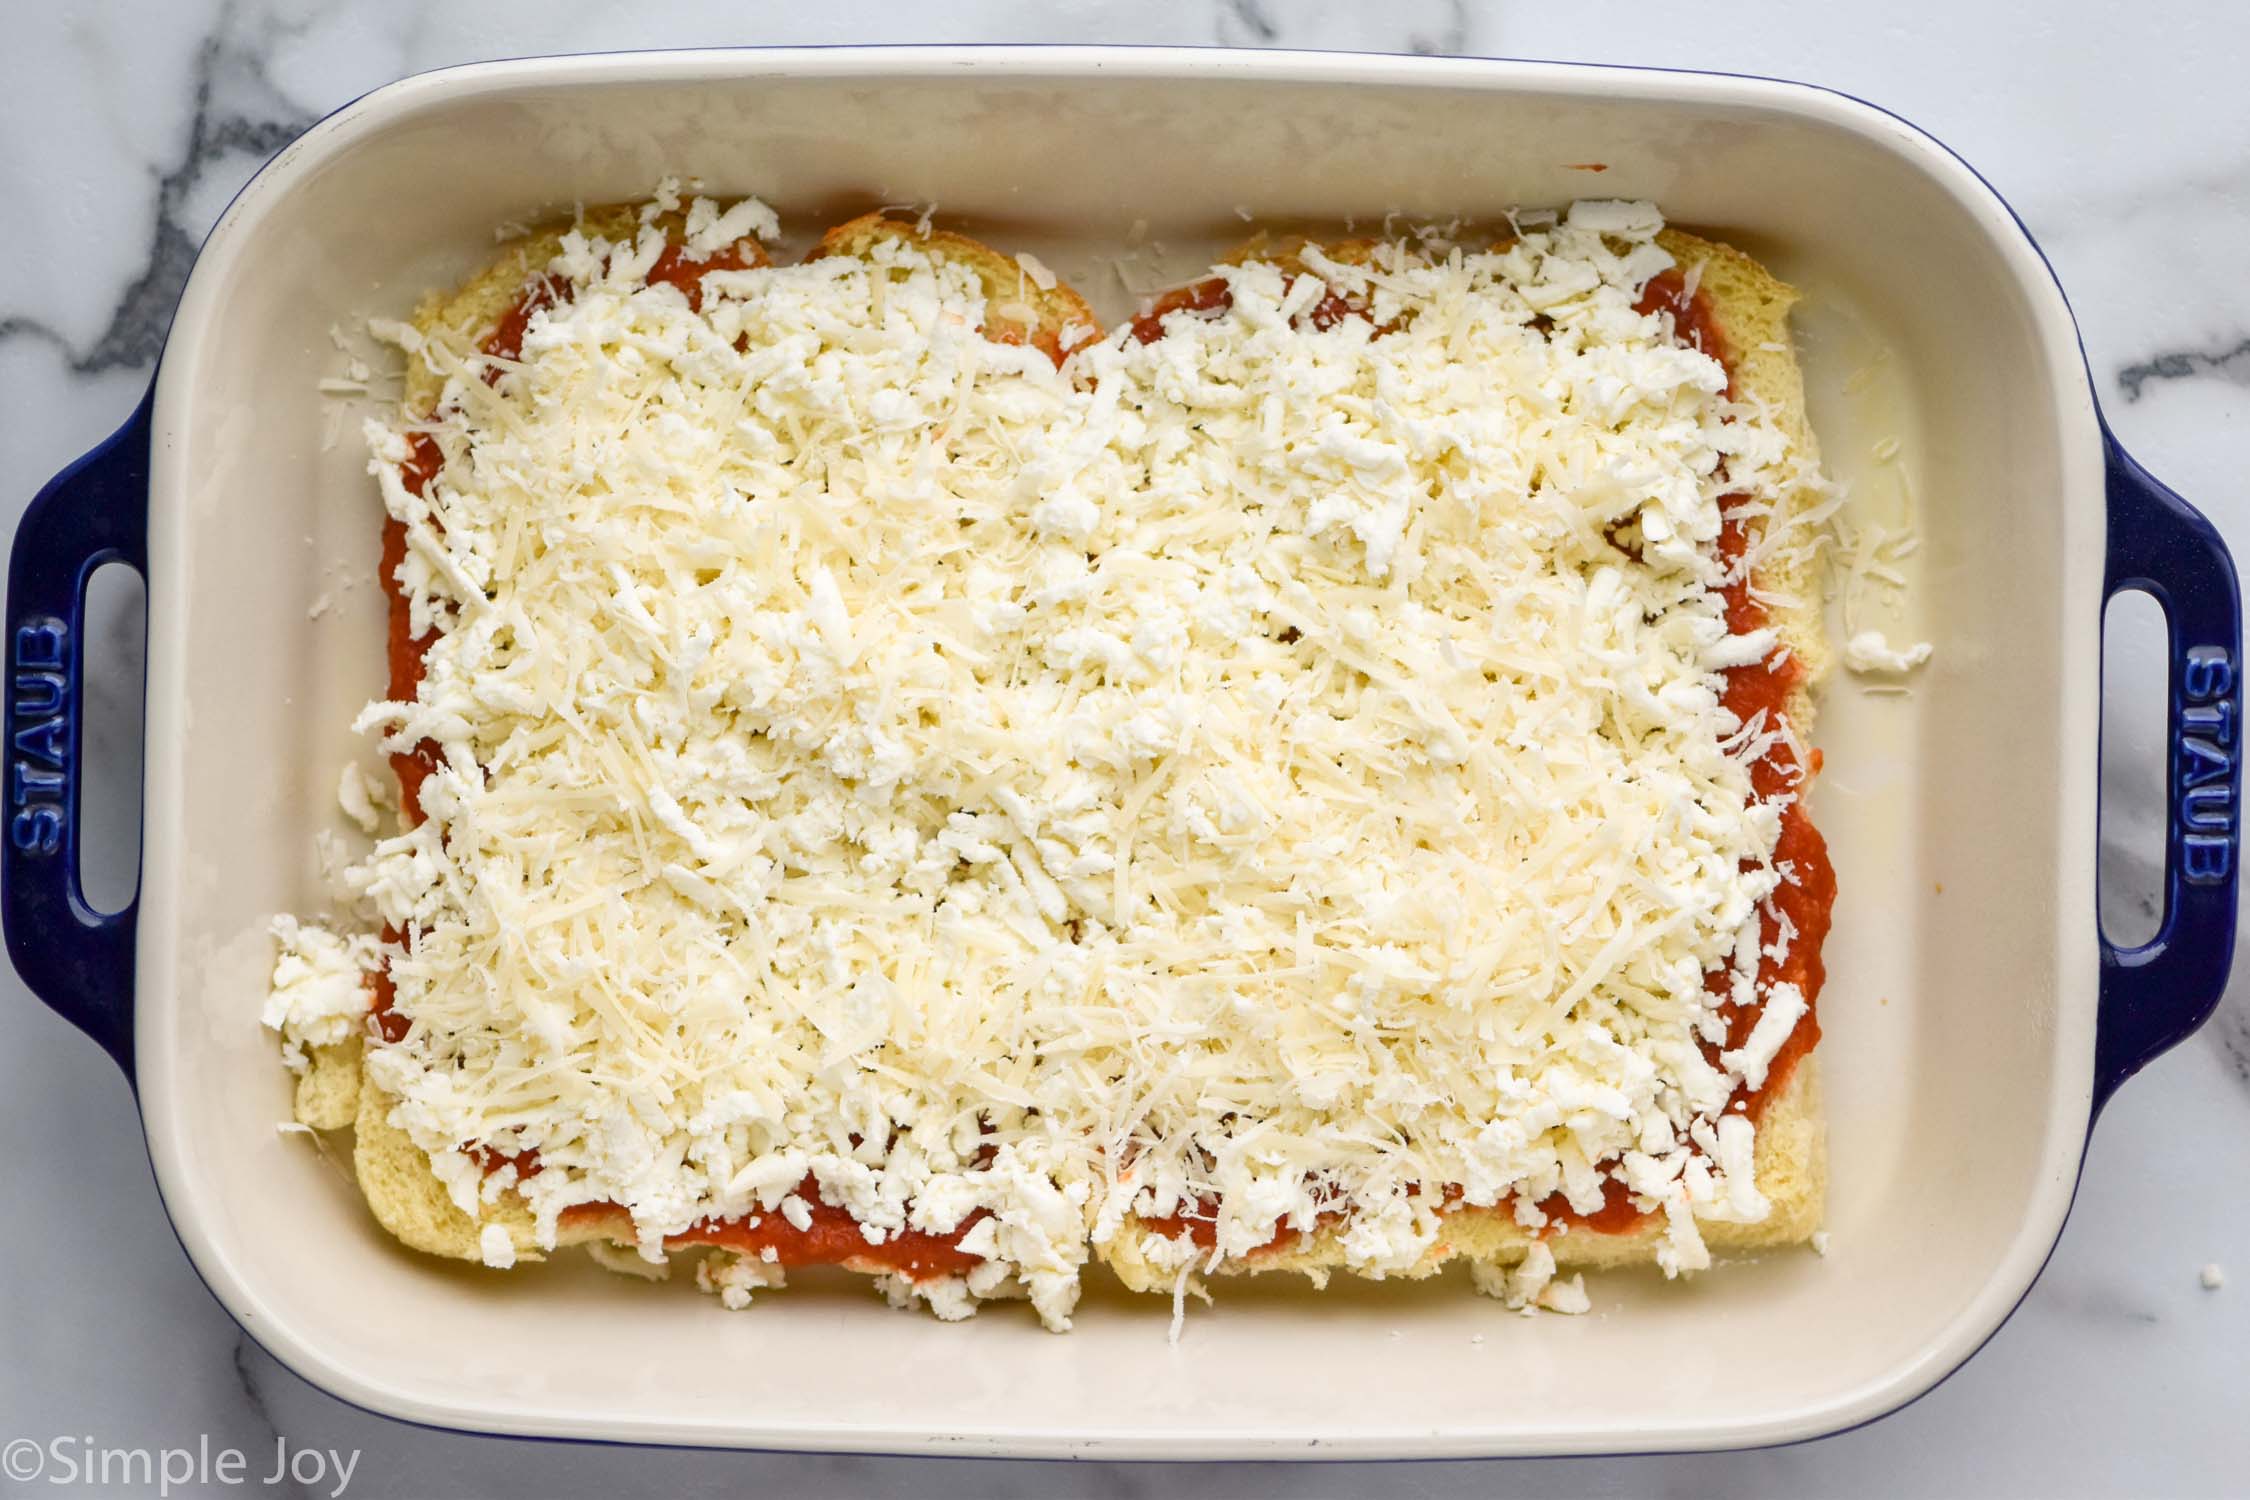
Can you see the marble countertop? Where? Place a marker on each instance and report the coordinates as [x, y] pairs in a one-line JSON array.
[[2120, 133]]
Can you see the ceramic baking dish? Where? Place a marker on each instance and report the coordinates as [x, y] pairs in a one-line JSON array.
[[1974, 1020]]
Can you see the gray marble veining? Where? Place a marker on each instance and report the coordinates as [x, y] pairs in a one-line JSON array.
[[2231, 363]]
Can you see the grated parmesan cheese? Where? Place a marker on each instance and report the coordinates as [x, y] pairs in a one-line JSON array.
[[1236, 770]]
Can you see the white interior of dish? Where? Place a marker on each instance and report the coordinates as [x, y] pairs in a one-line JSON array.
[[1958, 1014]]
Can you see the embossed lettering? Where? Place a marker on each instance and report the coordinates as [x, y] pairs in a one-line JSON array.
[[2213, 720], [37, 830], [44, 642], [38, 775], [49, 740], [38, 693], [29, 784], [2205, 766], [2202, 761], [2208, 809], [2206, 859], [2207, 673]]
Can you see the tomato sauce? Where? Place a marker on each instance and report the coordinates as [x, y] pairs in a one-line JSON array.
[[1692, 320], [675, 267], [506, 339], [1200, 1223], [423, 460], [1213, 296], [1046, 340], [1805, 900], [672, 267], [831, 1235]]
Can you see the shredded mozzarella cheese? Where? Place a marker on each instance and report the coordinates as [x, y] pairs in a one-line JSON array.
[[318, 995], [1270, 768]]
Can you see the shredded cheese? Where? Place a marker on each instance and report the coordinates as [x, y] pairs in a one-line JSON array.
[[318, 995], [1267, 769]]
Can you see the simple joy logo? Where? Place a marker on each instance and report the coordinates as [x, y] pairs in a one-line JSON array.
[[2203, 754], [39, 734], [76, 1461]]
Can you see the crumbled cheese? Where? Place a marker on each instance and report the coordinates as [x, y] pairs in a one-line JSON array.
[[871, 753], [1530, 1276], [1567, 1297], [1784, 1007], [1820, 1242], [357, 794], [2213, 1277], [1531, 1285], [1871, 651], [318, 995], [627, 1261], [495, 1247], [732, 1278], [948, 1297], [710, 231], [1872, 557], [1682, 1249]]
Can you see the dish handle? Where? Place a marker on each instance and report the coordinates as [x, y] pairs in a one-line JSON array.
[[2154, 995], [77, 959]]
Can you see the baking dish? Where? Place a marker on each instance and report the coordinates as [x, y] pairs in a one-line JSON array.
[[1975, 1019]]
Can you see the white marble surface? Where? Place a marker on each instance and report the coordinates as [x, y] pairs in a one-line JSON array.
[[2121, 134]]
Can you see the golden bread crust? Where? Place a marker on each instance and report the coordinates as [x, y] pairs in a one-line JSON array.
[[1018, 310]]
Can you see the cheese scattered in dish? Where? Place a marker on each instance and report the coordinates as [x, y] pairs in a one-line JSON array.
[[319, 992], [1871, 651], [1269, 768], [1870, 556]]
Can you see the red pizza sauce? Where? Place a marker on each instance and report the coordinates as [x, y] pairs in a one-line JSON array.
[[506, 339], [1200, 1223], [1806, 898], [1213, 296], [831, 1236], [1692, 320], [406, 649]]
